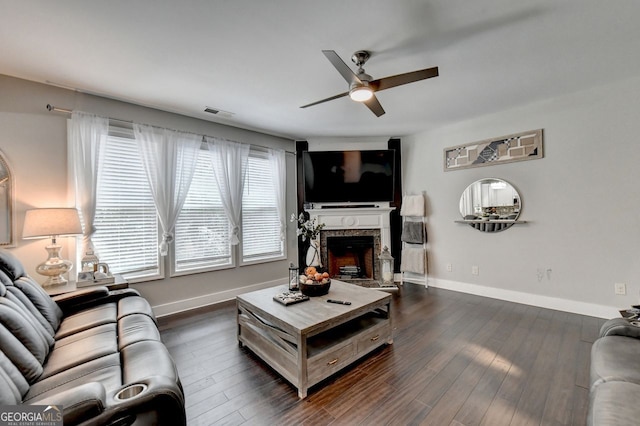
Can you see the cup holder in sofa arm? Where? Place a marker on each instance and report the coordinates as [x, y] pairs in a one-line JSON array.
[[131, 391]]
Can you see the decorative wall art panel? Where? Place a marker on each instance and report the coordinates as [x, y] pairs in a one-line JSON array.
[[504, 149]]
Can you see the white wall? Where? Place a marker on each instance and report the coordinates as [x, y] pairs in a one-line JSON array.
[[581, 200], [34, 142]]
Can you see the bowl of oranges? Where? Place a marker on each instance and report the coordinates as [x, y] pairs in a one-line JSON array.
[[314, 283]]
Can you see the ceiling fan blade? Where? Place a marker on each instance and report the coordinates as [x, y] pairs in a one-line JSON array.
[[326, 100], [374, 105], [400, 79], [342, 68]]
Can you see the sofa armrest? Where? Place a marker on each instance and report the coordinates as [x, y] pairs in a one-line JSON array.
[[620, 327], [81, 296], [88, 297], [162, 400], [79, 404]]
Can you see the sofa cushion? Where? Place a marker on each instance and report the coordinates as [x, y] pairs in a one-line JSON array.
[[17, 296], [40, 299], [13, 385], [19, 355], [134, 305], [106, 371], [24, 328], [13, 269], [80, 348], [136, 328], [11, 266], [143, 360], [89, 318], [615, 358], [614, 404]]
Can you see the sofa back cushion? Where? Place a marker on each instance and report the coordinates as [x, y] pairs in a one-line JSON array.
[[41, 300], [25, 361], [12, 271], [13, 385], [19, 298]]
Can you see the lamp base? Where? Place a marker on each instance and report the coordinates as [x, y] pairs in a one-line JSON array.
[[54, 267], [56, 281]]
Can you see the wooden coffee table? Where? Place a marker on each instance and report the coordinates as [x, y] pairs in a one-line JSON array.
[[309, 341]]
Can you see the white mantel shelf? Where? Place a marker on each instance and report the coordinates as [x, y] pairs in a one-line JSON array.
[[353, 217], [365, 217]]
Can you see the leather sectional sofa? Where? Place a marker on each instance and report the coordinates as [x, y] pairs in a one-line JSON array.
[[97, 353], [615, 375]]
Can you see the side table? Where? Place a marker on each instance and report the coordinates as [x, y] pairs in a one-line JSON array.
[[70, 286]]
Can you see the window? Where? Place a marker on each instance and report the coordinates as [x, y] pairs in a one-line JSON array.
[[126, 223], [127, 227], [260, 221], [202, 229]]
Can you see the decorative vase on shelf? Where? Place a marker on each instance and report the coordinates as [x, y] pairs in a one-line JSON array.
[[313, 254]]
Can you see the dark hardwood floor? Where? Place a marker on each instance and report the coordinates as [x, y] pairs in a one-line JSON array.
[[457, 359]]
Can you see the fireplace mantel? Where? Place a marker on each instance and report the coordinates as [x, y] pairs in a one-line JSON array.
[[356, 217]]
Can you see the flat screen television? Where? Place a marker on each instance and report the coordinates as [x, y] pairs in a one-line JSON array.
[[348, 176]]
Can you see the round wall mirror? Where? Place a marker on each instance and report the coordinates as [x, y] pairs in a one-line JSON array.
[[490, 205]]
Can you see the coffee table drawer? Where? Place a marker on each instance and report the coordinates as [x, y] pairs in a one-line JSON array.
[[330, 361], [373, 338]]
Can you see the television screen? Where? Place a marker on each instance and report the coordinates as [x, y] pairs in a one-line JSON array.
[[348, 176]]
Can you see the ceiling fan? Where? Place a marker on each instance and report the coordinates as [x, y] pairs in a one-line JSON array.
[[362, 87]]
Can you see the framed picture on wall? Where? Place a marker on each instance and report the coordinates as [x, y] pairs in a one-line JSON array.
[[500, 150]]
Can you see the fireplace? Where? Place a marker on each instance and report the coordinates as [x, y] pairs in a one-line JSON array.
[[355, 221], [351, 255]]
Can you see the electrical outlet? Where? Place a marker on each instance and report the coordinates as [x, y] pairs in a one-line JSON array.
[[620, 288], [475, 270], [449, 267]]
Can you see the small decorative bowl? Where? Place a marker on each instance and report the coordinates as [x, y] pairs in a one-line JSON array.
[[315, 288]]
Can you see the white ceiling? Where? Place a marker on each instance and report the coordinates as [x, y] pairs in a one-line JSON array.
[[262, 60]]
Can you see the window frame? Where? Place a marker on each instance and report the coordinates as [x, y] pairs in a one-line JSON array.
[[262, 153], [126, 133], [174, 272]]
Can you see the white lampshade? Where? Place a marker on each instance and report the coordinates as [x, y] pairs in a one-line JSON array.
[[46, 223], [52, 223]]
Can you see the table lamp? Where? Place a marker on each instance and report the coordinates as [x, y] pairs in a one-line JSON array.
[[52, 223]]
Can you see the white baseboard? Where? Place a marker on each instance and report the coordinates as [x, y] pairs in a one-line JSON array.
[[566, 305], [210, 299]]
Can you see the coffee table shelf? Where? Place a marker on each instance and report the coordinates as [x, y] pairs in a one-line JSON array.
[[310, 341]]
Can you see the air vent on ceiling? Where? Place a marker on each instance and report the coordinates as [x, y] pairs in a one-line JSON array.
[[218, 112]]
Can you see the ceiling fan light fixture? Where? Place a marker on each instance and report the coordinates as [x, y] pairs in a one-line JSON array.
[[361, 93]]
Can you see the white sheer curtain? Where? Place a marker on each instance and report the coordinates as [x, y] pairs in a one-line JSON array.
[[278, 176], [86, 134], [229, 160], [169, 159]]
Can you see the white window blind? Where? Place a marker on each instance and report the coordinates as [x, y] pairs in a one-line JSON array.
[[202, 229], [126, 223], [260, 221]]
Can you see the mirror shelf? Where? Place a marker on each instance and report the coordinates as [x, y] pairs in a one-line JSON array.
[[515, 222]]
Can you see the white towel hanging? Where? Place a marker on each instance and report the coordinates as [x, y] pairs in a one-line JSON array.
[[412, 205]]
